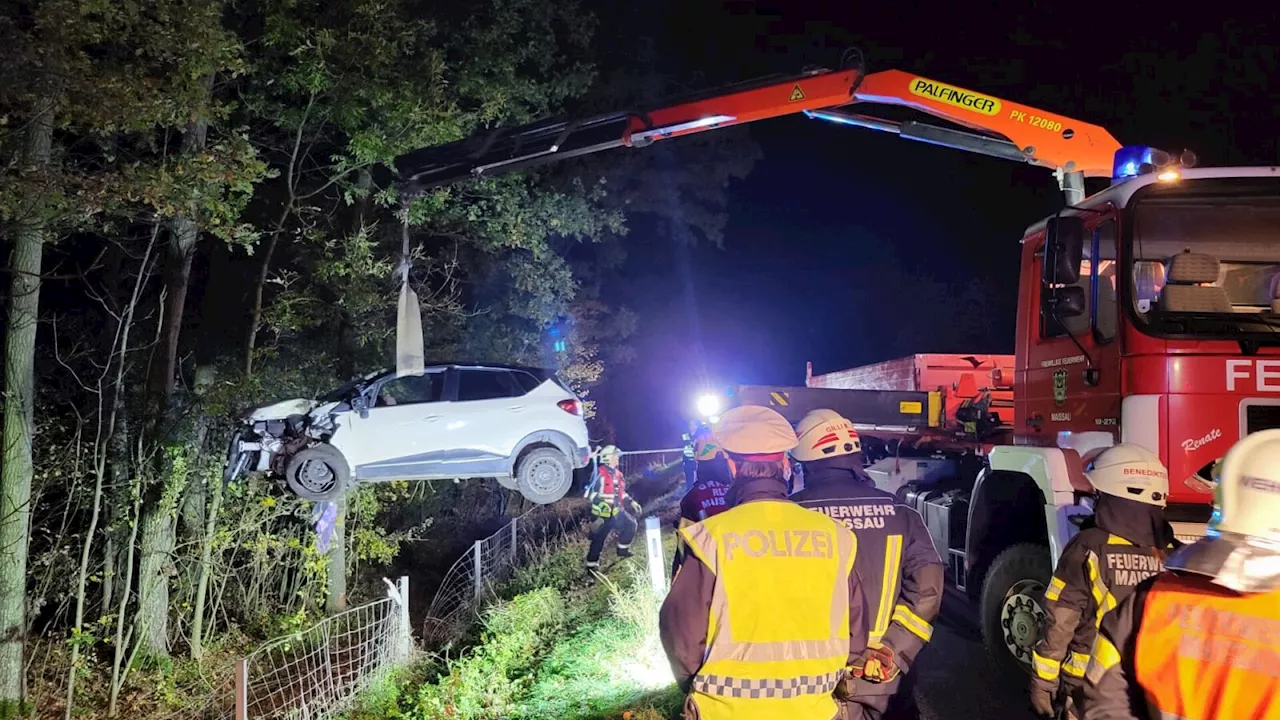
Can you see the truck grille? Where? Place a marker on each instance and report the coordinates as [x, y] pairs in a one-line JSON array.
[[1261, 417]]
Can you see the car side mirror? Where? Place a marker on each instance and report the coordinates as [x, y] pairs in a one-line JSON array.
[[361, 405], [1063, 250], [1062, 302]]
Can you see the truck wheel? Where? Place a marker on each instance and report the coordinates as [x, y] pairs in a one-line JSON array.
[[1011, 605], [318, 473], [544, 475]]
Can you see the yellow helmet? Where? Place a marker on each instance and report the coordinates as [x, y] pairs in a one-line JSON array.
[[825, 434], [754, 430], [610, 455]]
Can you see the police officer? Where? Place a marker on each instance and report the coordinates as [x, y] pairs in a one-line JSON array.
[[1122, 545], [893, 546], [766, 612], [615, 508], [709, 493], [1203, 641]]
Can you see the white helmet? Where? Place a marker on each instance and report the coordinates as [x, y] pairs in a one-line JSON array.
[[1248, 493], [825, 434], [1131, 472]]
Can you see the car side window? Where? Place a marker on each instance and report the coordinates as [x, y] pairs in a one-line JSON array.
[[486, 385], [527, 381], [411, 390]]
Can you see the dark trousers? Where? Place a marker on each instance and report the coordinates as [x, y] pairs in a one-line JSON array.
[[899, 706], [622, 523]]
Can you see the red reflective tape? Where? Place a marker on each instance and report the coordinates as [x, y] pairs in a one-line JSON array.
[[829, 437]]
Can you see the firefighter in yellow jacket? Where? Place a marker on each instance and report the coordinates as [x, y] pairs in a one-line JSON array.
[[1203, 641], [766, 612]]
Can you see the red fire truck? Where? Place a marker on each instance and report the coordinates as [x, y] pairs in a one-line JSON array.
[[1146, 313]]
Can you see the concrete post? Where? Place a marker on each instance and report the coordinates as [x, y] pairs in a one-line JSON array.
[[653, 548], [477, 568]]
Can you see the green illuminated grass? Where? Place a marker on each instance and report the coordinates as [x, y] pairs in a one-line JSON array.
[[564, 647]]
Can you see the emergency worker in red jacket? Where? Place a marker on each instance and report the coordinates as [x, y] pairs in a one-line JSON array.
[[902, 575], [1124, 543], [616, 510]]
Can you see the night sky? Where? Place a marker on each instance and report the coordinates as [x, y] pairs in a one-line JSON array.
[[845, 246]]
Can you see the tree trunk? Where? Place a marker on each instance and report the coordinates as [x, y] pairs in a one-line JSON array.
[[336, 599], [19, 392], [157, 541]]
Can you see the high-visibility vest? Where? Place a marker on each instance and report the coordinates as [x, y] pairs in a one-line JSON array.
[[778, 631], [1205, 652]]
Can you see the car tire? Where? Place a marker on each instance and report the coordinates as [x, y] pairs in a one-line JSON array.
[[543, 475], [318, 473], [1012, 607]]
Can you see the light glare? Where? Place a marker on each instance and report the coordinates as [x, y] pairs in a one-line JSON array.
[[708, 405]]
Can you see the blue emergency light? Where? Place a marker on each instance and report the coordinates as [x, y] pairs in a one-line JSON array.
[[1129, 161]]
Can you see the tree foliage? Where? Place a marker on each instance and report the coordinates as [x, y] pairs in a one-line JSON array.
[[216, 225]]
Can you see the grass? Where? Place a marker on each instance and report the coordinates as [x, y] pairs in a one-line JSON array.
[[564, 646]]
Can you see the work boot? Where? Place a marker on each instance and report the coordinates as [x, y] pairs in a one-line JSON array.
[[624, 551], [593, 565]]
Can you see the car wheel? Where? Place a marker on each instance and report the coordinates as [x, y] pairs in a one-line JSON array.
[[1012, 605], [544, 475], [318, 473]]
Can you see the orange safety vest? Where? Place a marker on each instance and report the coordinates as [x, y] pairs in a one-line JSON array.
[[1206, 652]]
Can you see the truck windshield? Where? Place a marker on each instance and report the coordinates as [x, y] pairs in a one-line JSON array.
[[1207, 263]]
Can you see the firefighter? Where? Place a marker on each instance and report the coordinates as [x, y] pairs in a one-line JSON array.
[[1203, 641], [766, 612], [1123, 544], [615, 508], [709, 492], [901, 572]]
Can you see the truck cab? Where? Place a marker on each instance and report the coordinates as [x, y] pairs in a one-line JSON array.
[[1147, 314]]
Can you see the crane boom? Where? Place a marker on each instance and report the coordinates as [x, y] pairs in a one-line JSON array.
[[1000, 128]]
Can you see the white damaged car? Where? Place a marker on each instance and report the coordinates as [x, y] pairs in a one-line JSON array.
[[521, 426]]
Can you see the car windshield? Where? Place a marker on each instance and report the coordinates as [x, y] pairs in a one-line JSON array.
[[1231, 244], [347, 389]]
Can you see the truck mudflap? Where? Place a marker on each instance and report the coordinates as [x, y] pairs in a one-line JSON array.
[[897, 410]]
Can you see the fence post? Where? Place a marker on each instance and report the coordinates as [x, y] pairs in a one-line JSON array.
[[513, 540], [477, 567], [653, 544], [242, 689], [406, 634]]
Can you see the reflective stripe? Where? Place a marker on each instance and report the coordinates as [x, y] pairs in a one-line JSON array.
[[1105, 656], [913, 622], [888, 585], [1076, 664], [1103, 600], [1046, 669], [1117, 540], [1054, 591], [766, 687]]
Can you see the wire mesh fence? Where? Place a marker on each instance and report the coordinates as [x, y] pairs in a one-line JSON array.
[[472, 579], [314, 674], [641, 464]]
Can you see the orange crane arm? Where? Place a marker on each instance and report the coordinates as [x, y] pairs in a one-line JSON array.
[[1004, 129]]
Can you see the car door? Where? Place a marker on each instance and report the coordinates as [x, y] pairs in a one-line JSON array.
[[402, 432], [486, 420]]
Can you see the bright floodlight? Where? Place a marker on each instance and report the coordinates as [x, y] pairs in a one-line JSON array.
[[708, 405]]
